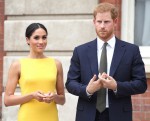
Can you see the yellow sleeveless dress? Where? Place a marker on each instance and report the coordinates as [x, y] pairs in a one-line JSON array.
[[38, 75]]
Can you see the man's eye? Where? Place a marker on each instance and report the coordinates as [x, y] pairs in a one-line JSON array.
[[99, 21], [106, 21]]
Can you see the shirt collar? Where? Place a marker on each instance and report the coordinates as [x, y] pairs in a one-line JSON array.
[[110, 42]]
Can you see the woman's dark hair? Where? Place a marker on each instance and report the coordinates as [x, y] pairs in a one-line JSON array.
[[32, 27]]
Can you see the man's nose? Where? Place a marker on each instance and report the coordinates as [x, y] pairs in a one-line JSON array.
[[102, 25]]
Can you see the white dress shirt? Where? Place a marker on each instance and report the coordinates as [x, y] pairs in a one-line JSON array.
[[110, 50]]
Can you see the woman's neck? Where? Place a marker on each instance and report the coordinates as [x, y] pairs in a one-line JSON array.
[[36, 56]]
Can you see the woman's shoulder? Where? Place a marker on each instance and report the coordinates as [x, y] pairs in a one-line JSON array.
[[15, 65], [58, 62]]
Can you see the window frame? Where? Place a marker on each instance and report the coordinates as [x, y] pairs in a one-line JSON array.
[[127, 31]]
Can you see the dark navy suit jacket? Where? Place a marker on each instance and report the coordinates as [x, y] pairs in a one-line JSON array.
[[127, 68]]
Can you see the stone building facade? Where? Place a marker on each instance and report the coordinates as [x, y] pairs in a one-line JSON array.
[[69, 23]]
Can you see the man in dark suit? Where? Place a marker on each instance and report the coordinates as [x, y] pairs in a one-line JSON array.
[[124, 75]]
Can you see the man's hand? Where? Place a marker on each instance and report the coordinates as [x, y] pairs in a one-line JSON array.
[[108, 81], [94, 85]]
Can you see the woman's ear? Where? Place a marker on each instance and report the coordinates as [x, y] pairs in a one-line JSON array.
[[27, 40]]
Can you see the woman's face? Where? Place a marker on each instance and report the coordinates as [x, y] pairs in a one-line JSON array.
[[38, 41]]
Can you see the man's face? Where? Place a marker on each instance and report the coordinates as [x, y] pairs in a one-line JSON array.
[[104, 25]]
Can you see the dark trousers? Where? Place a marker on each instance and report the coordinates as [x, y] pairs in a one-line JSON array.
[[104, 116]]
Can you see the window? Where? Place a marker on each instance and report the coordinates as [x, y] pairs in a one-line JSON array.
[[135, 27], [142, 23]]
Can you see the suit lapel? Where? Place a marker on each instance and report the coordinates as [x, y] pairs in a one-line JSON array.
[[92, 56], [118, 53]]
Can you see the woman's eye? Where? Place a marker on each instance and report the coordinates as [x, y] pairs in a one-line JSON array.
[[36, 37], [44, 37]]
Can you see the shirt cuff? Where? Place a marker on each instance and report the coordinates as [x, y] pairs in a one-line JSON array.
[[88, 94], [115, 91]]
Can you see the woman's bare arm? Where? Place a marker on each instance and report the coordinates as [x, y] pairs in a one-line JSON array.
[[13, 77]]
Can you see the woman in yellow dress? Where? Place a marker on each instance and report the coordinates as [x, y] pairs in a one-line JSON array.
[[40, 79]]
